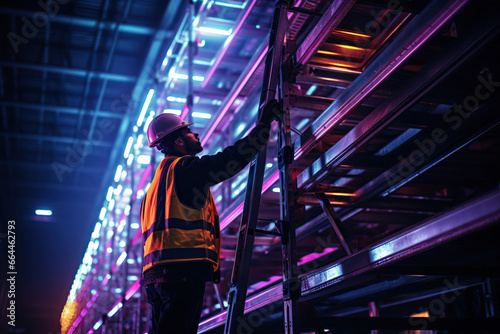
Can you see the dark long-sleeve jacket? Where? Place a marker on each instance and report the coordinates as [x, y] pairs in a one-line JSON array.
[[193, 178]]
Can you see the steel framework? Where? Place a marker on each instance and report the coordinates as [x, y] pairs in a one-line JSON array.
[[386, 164]]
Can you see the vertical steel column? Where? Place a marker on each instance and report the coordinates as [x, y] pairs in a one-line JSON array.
[[191, 46], [489, 298], [374, 313], [239, 279], [291, 286]]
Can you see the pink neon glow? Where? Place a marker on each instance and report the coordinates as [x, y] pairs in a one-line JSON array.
[[144, 178], [239, 209], [83, 313], [230, 40], [262, 284], [106, 279], [232, 216], [133, 289], [313, 256], [184, 111], [233, 97]]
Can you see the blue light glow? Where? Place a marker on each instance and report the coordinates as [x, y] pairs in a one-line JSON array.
[[145, 107], [128, 147], [240, 128], [176, 99], [43, 212], [201, 115], [97, 325], [120, 260], [118, 173], [215, 31], [176, 112], [311, 90], [144, 159], [109, 194], [230, 5], [115, 309], [102, 214]]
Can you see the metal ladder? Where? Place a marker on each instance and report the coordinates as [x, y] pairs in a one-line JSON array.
[[275, 74], [239, 279]]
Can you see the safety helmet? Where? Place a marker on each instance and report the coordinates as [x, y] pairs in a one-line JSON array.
[[163, 125]]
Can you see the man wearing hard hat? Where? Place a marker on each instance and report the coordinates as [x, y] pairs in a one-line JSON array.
[[179, 220]]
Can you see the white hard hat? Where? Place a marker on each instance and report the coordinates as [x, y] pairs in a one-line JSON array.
[[163, 125]]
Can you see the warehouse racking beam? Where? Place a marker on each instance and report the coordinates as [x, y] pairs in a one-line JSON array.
[[480, 213], [400, 101], [410, 40]]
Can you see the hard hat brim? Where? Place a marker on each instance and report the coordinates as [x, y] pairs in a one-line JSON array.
[[153, 144]]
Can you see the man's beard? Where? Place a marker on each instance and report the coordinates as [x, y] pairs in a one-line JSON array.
[[195, 147]]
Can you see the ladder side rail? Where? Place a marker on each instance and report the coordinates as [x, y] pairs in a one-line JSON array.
[[244, 248]]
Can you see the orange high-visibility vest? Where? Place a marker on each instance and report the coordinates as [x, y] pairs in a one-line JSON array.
[[172, 231]]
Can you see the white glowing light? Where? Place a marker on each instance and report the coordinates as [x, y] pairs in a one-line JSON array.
[[102, 214], [128, 147], [215, 31], [145, 107], [115, 309], [109, 194], [176, 99], [118, 173], [43, 212], [176, 112], [202, 115], [144, 159]]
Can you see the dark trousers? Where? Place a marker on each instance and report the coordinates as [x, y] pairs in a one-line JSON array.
[[176, 307]]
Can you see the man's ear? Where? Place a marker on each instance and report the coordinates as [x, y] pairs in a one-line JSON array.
[[179, 141]]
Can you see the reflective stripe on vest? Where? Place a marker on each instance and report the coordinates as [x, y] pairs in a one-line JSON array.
[[172, 231]]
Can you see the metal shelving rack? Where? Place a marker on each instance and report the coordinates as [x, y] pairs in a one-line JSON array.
[[392, 111]]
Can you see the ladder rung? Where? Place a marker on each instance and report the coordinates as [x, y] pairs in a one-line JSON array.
[[268, 232]]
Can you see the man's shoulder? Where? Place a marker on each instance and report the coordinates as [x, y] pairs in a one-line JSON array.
[[187, 161]]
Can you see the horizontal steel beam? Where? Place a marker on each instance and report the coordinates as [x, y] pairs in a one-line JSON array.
[[432, 323], [43, 167], [83, 22], [61, 187], [397, 176], [329, 21], [71, 71], [267, 297], [56, 139], [479, 213], [455, 223], [61, 109], [421, 29]]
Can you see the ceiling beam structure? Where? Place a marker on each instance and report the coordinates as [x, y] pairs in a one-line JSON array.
[[77, 72], [85, 22]]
